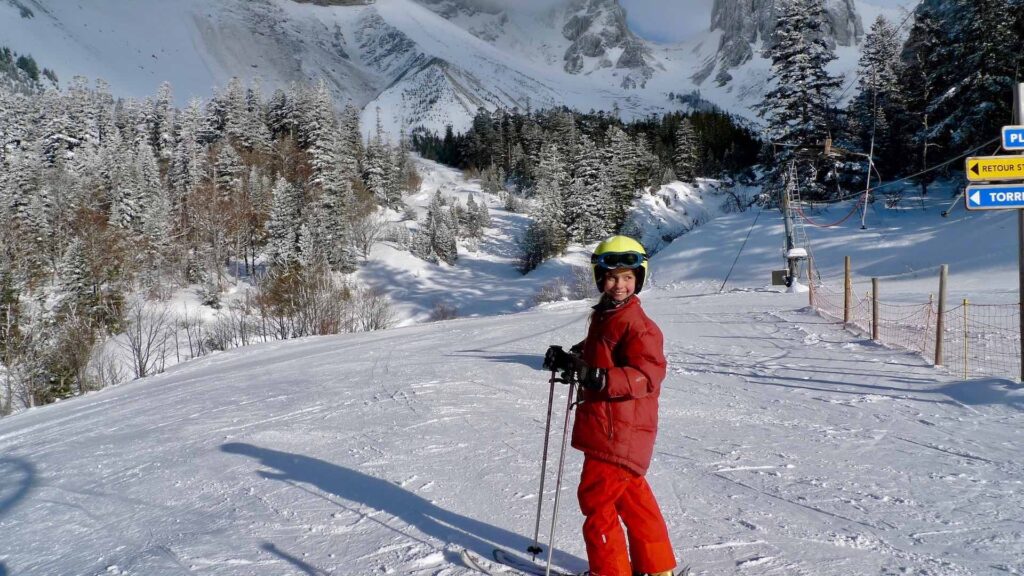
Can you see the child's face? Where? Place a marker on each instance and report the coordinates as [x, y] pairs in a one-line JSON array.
[[619, 284]]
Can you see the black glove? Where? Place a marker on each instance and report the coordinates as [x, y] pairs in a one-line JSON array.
[[557, 360], [593, 379]]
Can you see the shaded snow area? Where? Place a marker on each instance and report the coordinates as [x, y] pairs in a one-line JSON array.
[[787, 446]]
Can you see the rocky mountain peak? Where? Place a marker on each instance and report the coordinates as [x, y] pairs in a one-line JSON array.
[[601, 39], [745, 23]]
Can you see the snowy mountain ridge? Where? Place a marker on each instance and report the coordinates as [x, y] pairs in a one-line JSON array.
[[430, 63]]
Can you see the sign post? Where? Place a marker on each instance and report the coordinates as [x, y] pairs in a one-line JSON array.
[[1010, 195], [1018, 118]]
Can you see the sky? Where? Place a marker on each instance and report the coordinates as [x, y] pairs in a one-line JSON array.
[[667, 21]]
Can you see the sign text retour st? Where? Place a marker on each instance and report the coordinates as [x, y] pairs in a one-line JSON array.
[[995, 168]]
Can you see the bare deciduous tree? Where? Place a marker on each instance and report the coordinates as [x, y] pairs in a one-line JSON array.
[[148, 331], [367, 231]]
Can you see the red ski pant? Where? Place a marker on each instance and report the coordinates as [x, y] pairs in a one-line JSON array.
[[607, 493]]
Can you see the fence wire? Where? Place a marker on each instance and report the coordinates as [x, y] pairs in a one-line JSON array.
[[978, 340]]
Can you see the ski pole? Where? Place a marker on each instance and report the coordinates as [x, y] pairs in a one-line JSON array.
[[535, 549], [558, 478]]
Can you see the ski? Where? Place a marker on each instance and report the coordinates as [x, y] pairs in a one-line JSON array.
[[506, 564]]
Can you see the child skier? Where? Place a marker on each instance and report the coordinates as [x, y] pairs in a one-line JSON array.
[[619, 367]]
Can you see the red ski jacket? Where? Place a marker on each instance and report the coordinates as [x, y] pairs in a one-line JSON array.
[[619, 424]]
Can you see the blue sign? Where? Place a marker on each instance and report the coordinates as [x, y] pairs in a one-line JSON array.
[[995, 197], [1013, 137]]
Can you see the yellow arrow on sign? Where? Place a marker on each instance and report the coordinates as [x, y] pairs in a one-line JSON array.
[[995, 168]]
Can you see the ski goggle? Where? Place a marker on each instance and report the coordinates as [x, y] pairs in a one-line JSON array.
[[612, 260]]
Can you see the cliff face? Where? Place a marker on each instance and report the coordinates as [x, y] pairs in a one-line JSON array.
[[746, 23], [596, 31]]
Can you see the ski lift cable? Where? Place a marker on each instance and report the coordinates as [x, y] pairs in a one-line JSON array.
[[915, 175], [742, 246], [810, 221]]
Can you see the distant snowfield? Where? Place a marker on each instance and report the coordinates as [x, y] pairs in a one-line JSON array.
[[787, 445]]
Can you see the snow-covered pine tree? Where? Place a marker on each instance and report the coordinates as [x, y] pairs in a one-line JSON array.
[[472, 226], [161, 128], [337, 204], [444, 228], [919, 55], [588, 202], [378, 170], [550, 216], [687, 152], [623, 167], [256, 137], [79, 104], [314, 243], [188, 161], [976, 69], [38, 233], [283, 226], [103, 107], [154, 212], [228, 171], [54, 125], [76, 283], [282, 114], [422, 245], [879, 101], [797, 107], [21, 181], [350, 131], [316, 113], [125, 195], [483, 215]]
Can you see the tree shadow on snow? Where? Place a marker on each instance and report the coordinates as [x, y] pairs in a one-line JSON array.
[[986, 391], [436, 522], [16, 479]]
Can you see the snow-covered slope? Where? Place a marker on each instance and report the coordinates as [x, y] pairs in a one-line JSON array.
[[485, 279], [787, 445], [427, 63]]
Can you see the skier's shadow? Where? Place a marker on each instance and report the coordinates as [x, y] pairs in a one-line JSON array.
[[382, 495], [17, 476]]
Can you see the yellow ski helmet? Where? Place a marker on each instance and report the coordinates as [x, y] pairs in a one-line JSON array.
[[619, 252]]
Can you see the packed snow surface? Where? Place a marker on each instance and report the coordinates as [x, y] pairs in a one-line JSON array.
[[787, 445]]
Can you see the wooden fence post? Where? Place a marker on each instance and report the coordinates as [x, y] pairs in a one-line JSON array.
[[847, 291], [966, 345], [940, 316], [810, 280], [928, 322], [874, 309]]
